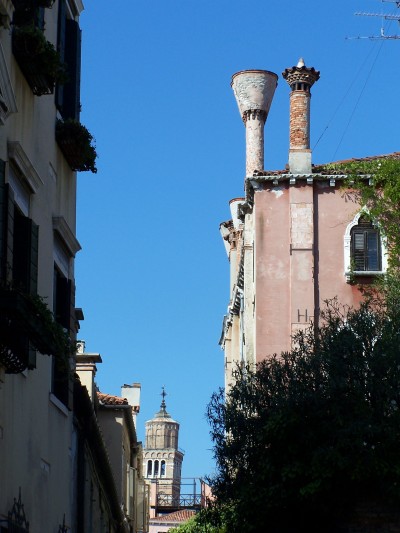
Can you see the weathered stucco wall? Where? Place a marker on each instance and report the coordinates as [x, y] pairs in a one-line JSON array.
[[299, 258]]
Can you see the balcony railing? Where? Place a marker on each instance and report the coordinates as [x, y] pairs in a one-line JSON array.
[[184, 501]]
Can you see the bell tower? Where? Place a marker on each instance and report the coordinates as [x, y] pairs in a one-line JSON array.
[[162, 459]]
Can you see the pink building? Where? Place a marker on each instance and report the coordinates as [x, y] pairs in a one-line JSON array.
[[294, 239]]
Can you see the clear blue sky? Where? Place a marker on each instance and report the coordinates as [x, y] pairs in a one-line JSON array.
[[152, 277]]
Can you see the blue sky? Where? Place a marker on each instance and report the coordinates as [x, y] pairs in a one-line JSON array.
[[152, 277]]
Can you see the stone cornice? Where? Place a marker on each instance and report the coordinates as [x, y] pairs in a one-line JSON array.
[[61, 227], [28, 172]]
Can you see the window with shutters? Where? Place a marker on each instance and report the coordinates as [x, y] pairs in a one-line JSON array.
[[364, 248], [19, 238], [62, 310]]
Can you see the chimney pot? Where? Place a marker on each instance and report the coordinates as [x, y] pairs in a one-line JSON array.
[[254, 90], [301, 79]]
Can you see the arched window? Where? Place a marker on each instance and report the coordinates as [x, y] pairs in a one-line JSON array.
[[162, 468], [156, 464], [364, 248], [149, 468]]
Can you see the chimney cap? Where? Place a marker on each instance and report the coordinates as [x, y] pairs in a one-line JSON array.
[[301, 73]]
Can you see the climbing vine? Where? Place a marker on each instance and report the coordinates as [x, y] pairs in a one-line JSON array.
[[375, 184]]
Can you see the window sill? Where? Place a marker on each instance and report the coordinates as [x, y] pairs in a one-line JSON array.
[[350, 276], [57, 403]]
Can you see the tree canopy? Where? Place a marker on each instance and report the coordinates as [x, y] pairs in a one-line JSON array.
[[300, 440]]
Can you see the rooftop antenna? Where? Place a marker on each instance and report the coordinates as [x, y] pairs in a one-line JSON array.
[[384, 16]]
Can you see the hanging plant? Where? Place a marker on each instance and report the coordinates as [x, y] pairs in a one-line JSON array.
[[26, 318], [27, 11], [77, 145], [32, 4], [38, 59]]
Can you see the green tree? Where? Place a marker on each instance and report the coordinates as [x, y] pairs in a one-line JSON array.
[[307, 435], [206, 521]]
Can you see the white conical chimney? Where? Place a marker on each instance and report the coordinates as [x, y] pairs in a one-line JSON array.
[[254, 90]]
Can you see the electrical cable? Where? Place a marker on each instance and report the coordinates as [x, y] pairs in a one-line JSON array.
[[358, 101]]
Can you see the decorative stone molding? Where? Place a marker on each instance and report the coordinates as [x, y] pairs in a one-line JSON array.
[[28, 172], [254, 114], [76, 7], [60, 226], [8, 103], [301, 74]]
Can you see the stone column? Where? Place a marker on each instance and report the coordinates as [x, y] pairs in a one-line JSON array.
[[254, 90]]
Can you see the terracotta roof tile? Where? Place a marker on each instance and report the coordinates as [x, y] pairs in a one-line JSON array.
[[108, 399], [321, 169], [178, 516]]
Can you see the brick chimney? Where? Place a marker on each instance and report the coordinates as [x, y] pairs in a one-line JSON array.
[[301, 79], [254, 90]]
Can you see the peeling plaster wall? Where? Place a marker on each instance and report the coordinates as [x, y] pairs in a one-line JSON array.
[[299, 242], [272, 272]]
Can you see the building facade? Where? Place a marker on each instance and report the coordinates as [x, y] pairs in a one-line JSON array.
[[59, 471], [111, 493], [37, 249], [294, 239]]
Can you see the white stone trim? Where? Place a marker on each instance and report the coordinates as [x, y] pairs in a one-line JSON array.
[[18, 156], [60, 226], [8, 103], [347, 251], [22, 194]]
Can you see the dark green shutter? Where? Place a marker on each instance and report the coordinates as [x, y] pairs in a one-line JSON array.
[[72, 314], [25, 257], [62, 16], [6, 231], [34, 259], [63, 301], [71, 98]]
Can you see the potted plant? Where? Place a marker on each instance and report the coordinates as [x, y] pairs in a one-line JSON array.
[[77, 145], [38, 60]]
